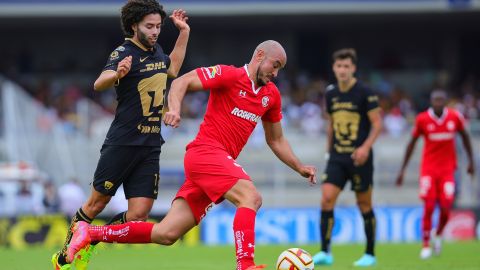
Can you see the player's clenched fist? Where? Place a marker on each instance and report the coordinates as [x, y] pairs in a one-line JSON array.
[[124, 67], [309, 172], [172, 119]]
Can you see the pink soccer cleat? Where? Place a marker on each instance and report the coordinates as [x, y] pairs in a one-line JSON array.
[[80, 240]]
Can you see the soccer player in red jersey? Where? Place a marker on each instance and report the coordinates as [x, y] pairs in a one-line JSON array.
[[239, 98], [438, 125]]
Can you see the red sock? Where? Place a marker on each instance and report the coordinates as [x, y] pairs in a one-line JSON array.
[[244, 233], [134, 232], [428, 209], [443, 220]]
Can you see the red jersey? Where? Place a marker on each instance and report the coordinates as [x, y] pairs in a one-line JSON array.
[[439, 153], [234, 108]]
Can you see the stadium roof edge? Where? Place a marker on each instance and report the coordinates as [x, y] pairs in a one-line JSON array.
[[212, 8]]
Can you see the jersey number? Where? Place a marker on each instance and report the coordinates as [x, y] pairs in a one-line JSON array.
[[152, 96]]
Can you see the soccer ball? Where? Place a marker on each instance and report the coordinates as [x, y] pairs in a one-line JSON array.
[[295, 259]]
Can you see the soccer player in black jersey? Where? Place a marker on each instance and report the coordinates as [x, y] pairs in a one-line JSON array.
[[354, 125], [138, 69]]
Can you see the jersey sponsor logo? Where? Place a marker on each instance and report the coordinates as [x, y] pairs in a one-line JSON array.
[[245, 115], [211, 72], [108, 185], [265, 100], [343, 105], [143, 59], [120, 49], [242, 93], [153, 66], [372, 98], [441, 136], [148, 129]]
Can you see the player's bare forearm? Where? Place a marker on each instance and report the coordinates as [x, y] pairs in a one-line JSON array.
[[376, 121], [279, 145], [329, 136], [178, 54], [467, 143], [178, 88], [409, 152], [106, 80]]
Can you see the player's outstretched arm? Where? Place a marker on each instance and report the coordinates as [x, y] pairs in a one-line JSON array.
[[179, 18], [281, 148], [467, 143], [109, 77], [179, 87], [406, 158]]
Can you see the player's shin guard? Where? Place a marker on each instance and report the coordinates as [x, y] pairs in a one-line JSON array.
[[135, 232], [244, 233], [326, 226], [370, 225], [443, 219], [428, 209], [79, 216]]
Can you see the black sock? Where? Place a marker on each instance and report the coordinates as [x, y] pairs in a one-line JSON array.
[[370, 224], [119, 218], [79, 216], [326, 226]]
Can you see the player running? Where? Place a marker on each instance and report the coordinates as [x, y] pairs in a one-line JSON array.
[[240, 97], [130, 154], [438, 126]]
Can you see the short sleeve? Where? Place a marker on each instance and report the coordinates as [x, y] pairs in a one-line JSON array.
[[417, 128], [372, 100], [216, 77], [168, 61], [274, 114], [115, 57]]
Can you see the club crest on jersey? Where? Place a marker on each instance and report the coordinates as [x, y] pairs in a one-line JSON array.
[[211, 72], [450, 125], [265, 100], [242, 93]]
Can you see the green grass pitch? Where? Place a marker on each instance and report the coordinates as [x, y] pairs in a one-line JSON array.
[[464, 255]]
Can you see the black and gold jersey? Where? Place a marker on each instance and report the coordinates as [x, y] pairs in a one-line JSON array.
[[140, 95], [348, 111]]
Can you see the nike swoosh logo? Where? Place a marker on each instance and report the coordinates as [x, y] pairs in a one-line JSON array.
[[143, 59]]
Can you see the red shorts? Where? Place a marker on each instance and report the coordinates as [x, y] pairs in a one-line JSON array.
[[438, 187], [209, 173]]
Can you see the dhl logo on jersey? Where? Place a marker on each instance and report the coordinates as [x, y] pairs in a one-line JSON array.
[[211, 72], [154, 66]]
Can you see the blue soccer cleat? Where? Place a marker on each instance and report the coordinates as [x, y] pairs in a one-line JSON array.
[[365, 261], [323, 258]]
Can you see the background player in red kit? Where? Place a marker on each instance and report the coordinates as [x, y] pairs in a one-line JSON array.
[[438, 125], [239, 98]]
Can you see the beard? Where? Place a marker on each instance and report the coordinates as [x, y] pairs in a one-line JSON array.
[[144, 40], [259, 80]]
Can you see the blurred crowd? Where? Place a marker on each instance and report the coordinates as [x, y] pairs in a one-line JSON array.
[[303, 102]]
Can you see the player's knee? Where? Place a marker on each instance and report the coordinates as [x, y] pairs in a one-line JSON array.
[[257, 200], [137, 216], [327, 202]]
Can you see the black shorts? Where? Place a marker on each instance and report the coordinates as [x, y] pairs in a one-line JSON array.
[[136, 167], [338, 172]]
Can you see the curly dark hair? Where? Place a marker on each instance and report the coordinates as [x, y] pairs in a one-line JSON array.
[[135, 10], [345, 54]]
